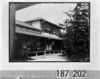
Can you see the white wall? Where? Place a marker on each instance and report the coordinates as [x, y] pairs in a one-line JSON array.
[[36, 24]]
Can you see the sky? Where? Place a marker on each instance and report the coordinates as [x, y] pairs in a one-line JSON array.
[[54, 13]]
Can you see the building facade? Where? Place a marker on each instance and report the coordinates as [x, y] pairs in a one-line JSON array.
[[37, 37]]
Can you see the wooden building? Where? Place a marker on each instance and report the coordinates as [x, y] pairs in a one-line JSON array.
[[37, 37]]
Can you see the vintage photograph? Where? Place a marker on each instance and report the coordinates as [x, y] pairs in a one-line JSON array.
[[49, 31]]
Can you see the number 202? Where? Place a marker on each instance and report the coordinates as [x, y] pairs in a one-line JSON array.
[[79, 73]]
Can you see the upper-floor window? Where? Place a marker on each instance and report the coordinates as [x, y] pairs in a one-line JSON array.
[[56, 31], [47, 28]]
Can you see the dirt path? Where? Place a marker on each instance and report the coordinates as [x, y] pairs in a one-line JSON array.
[[48, 57]]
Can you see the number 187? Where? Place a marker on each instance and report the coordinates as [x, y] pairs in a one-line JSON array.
[[62, 73]]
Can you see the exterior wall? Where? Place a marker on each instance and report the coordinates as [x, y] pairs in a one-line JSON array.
[[36, 24]]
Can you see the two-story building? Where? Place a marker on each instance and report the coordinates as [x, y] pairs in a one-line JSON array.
[[37, 37]]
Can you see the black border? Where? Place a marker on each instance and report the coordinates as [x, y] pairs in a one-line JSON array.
[[47, 61]]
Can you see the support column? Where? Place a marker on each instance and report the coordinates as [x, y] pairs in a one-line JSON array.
[[12, 31]]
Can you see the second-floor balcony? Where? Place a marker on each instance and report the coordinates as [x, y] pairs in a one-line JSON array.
[[24, 28], [50, 35]]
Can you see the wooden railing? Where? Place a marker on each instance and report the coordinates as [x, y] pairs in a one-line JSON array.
[[37, 53]]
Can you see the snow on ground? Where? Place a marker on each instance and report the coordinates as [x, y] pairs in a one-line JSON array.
[[48, 57]]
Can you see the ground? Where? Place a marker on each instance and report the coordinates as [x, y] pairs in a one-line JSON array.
[[48, 57]]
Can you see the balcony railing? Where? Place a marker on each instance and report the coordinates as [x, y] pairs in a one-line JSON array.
[[38, 53]]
